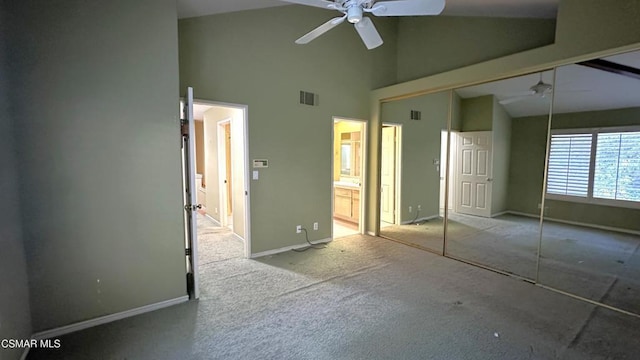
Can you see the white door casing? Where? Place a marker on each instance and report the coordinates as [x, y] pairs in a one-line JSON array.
[[452, 169], [474, 173]]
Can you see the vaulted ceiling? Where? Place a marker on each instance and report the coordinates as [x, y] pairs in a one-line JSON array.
[[492, 8]]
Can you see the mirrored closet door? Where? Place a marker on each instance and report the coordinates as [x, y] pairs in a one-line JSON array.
[[498, 139], [412, 177], [591, 232]]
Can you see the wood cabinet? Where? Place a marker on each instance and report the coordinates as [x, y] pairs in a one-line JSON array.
[[346, 204]]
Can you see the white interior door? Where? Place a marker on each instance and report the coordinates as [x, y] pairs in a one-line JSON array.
[[191, 205], [474, 173], [388, 177]]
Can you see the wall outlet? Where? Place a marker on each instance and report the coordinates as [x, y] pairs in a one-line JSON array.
[[298, 229], [410, 209], [419, 207], [315, 226], [216, 210]]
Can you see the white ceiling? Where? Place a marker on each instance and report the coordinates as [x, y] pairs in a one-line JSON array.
[[495, 8], [578, 88]]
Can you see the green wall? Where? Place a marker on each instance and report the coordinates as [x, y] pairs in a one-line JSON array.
[[456, 112], [433, 44], [526, 169], [250, 58], [15, 318], [420, 179], [528, 149], [99, 156], [477, 113], [501, 127]]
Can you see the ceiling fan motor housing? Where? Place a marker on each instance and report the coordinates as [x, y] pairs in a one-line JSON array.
[[354, 12]]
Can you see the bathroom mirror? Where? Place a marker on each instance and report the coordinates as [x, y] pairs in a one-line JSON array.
[[412, 181], [498, 139], [350, 154], [591, 232]]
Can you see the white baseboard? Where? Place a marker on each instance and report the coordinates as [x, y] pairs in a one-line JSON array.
[[288, 248], [420, 219], [523, 214], [212, 219], [238, 237], [371, 233], [47, 334], [500, 213], [568, 222]]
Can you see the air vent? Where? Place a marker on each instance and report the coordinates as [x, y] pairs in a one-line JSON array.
[[416, 115], [308, 98]]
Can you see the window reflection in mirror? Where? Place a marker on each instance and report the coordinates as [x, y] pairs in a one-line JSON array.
[[345, 156], [590, 243]]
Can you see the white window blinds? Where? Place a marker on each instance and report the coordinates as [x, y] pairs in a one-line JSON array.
[[569, 161], [617, 168]]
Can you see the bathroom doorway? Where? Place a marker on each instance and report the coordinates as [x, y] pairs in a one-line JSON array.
[[349, 159]]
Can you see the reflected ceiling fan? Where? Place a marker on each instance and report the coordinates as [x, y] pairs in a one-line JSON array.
[[539, 91], [353, 11]]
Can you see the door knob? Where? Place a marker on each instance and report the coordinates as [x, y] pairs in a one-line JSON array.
[[489, 179]]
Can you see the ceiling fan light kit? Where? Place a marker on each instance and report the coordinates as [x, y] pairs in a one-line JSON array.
[[353, 11], [539, 90]]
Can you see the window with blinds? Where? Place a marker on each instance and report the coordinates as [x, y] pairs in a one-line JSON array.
[[569, 161], [595, 165], [617, 167]]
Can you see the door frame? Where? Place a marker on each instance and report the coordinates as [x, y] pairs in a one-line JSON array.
[[398, 173], [363, 169], [190, 194], [246, 168], [222, 171]]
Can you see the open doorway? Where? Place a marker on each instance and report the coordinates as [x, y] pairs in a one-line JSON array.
[[222, 167], [453, 165], [390, 175], [348, 176]]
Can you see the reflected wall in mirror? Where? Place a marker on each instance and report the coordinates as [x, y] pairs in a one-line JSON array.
[[590, 243], [411, 170], [498, 141]]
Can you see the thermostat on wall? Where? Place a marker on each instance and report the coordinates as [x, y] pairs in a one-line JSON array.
[[260, 163]]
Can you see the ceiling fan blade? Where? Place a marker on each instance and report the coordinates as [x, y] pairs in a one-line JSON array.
[[514, 99], [368, 33], [519, 93], [317, 3], [305, 39], [408, 7]]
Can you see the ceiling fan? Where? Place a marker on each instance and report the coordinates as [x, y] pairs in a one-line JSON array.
[[539, 90], [353, 11]]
